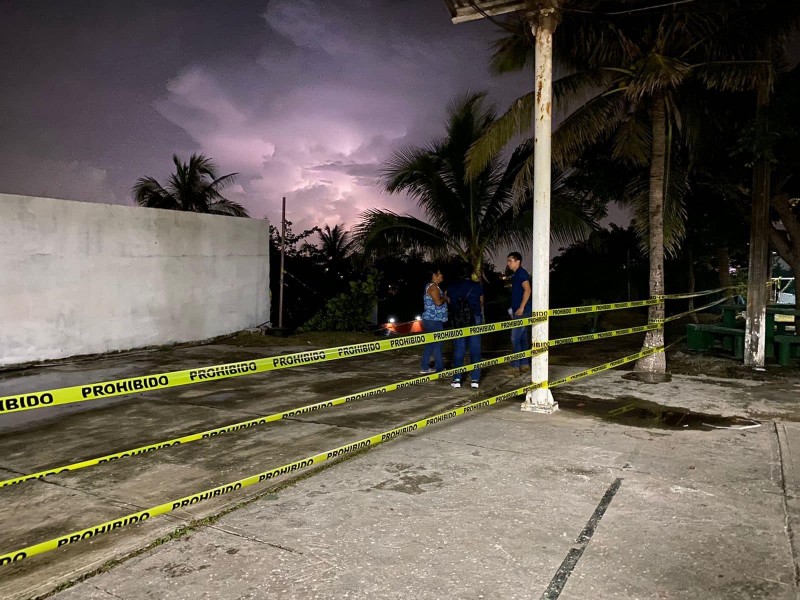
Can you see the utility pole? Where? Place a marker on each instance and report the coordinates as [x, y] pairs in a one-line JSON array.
[[283, 256], [542, 17], [543, 20]]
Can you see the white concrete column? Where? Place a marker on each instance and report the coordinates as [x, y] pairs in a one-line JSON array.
[[543, 23]]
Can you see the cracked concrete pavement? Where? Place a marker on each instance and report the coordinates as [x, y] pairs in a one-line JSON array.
[[488, 505]]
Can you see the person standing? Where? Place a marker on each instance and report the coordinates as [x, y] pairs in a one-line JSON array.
[[434, 316], [521, 307], [462, 294]]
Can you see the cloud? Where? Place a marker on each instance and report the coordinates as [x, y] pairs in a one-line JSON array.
[[336, 88], [312, 25], [312, 148], [303, 98], [363, 174], [47, 178]]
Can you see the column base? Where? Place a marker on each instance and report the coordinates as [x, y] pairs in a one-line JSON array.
[[539, 401]]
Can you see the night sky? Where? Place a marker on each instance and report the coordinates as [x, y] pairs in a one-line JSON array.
[[304, 98]]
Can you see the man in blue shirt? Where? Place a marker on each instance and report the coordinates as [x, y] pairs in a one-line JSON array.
[[472, 292], [520, 307]]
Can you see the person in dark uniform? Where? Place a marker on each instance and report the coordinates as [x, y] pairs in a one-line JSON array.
[[520, 307], [472, 294]]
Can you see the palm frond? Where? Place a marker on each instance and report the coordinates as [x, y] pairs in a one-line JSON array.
[[515, 121], [193, 187], [514, 51], [200, 164], [423, 175], [657, 73], [735, 76], [571, 220], [148, 192], [336, 243], [383, 232], [223, 181], [434, 175], [227, 207], [469, 216], [514, 228], [588, 41], [637, 197], [411, 170], [587, 82], [504, 196], [633, 139], [589, 124]]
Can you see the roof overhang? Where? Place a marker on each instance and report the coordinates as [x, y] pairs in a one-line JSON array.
[[471, 10]]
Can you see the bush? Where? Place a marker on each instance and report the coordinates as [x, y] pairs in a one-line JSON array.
[[349, 311]]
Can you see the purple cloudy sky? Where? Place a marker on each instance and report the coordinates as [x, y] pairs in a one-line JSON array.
[[304, 98]]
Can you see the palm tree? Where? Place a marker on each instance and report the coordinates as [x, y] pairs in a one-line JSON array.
[[469, 218], [193, 187], [640, 79], [336, 243]]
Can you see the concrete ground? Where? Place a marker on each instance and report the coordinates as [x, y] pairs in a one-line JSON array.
[[495, 504]]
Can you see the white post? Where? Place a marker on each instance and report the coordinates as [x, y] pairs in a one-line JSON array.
[[283, 255], [543, 23]]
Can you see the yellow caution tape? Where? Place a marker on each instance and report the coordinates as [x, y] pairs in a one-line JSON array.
[[696, 294], [657, 299], [613, 364], [159, 381], [593, 308], [606, 366], [293, 467], [688, 312], [298, 465], [300, 410], [603, 335], [121, 387], [621, 410]]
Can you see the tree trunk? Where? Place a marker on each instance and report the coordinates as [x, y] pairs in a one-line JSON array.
[[477, 269], [656, 363], [758, 269], [724, 266]]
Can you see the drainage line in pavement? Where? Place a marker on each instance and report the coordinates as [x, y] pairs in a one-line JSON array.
[[559, 580], [787, 522]]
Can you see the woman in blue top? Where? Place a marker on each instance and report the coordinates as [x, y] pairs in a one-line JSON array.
[[434, 317]]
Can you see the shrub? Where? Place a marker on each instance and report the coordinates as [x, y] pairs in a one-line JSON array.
[[349, 311]]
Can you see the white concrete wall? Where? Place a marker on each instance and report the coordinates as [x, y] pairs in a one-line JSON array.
[[82, 278]]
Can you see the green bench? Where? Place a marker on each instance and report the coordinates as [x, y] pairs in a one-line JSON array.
[[788, 348], [701, 337]]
